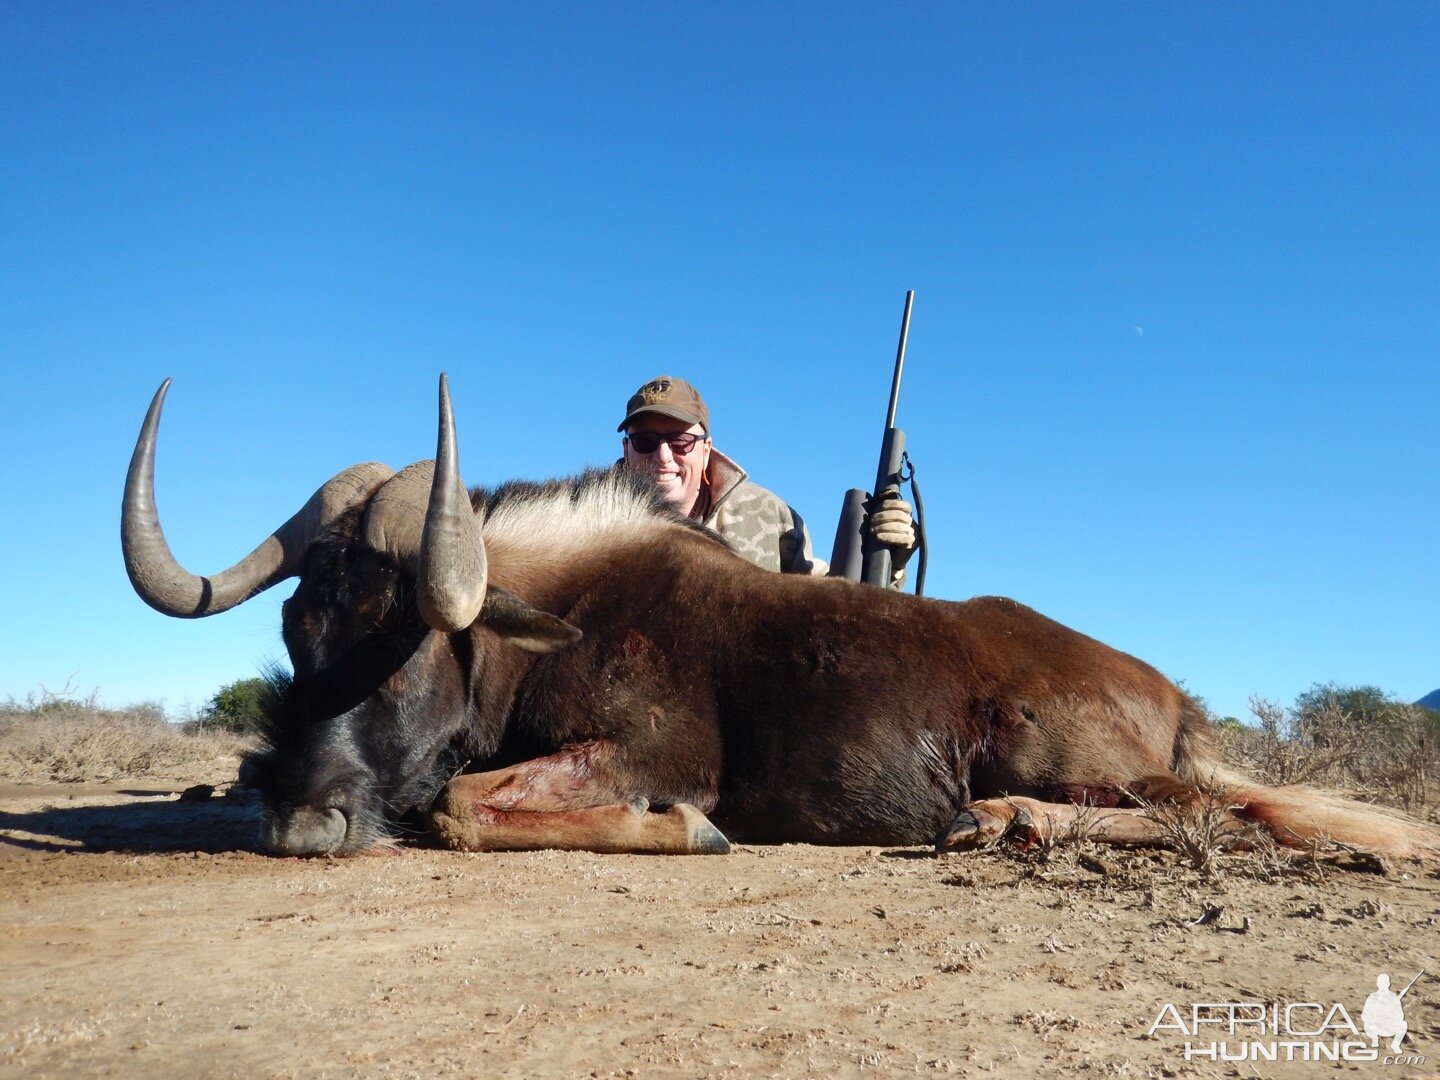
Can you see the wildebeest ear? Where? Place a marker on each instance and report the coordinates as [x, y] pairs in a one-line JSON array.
[[522, 625]]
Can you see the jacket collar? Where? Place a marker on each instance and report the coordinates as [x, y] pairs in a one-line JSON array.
[[725, 476]]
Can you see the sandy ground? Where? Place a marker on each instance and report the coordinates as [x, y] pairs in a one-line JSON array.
[[142, 936]]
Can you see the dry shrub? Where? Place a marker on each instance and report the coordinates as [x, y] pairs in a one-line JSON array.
[[1386, 753], [59, 739], [1200, 829]]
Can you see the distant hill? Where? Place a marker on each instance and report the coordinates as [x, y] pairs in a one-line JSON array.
[[1430, 701]]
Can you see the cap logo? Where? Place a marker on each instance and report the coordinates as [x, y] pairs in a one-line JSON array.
[[650, 393]]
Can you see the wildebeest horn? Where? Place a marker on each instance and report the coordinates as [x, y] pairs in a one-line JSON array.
[[168, 587], [450, 579]]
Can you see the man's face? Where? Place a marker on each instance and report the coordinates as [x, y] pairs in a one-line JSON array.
[[677, 474]]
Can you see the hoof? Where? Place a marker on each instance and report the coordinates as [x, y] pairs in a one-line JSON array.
[[705, 838], [965, 826], [981, 824]]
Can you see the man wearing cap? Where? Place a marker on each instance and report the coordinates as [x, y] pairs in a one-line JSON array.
[[667, 436]]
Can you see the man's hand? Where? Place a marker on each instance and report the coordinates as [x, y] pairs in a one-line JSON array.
[[893, 525]]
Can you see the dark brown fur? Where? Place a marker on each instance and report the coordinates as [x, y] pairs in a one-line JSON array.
[[789, 708], [820, 710]]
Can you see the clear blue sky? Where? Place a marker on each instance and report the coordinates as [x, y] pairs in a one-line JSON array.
[[1173, 367]]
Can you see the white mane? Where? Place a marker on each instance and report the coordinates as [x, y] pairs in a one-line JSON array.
[[563, 520]]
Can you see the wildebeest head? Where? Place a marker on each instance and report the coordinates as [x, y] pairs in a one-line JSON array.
[[383, 633]]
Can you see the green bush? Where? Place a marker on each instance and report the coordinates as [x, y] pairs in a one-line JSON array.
[[236, 707]]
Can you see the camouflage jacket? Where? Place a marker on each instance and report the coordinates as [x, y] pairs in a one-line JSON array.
[[757, 523]]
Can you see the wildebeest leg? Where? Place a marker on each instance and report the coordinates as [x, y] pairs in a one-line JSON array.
[[628, 829], [1032, 821], [568, 801]]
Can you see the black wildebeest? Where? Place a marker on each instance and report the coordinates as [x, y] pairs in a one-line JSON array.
[[620, 674]]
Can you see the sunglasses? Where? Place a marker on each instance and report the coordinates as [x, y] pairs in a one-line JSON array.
[[647, 442]]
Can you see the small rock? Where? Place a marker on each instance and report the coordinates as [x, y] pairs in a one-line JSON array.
[[1094, 864]]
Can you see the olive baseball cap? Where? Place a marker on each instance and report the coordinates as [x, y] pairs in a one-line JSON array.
[[667, 396]]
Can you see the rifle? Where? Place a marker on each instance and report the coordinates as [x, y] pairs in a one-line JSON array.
[[1411, 983], [856, 554]]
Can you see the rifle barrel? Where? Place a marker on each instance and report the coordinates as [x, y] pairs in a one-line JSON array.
[[878, 564], [899, 360]]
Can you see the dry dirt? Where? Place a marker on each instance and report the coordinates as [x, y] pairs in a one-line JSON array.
[[142, 936]]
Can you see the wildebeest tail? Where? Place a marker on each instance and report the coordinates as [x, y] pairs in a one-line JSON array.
[[1298, 815]]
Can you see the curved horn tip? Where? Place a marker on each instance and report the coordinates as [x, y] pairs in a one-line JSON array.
[[167, 586], [158, 398]]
